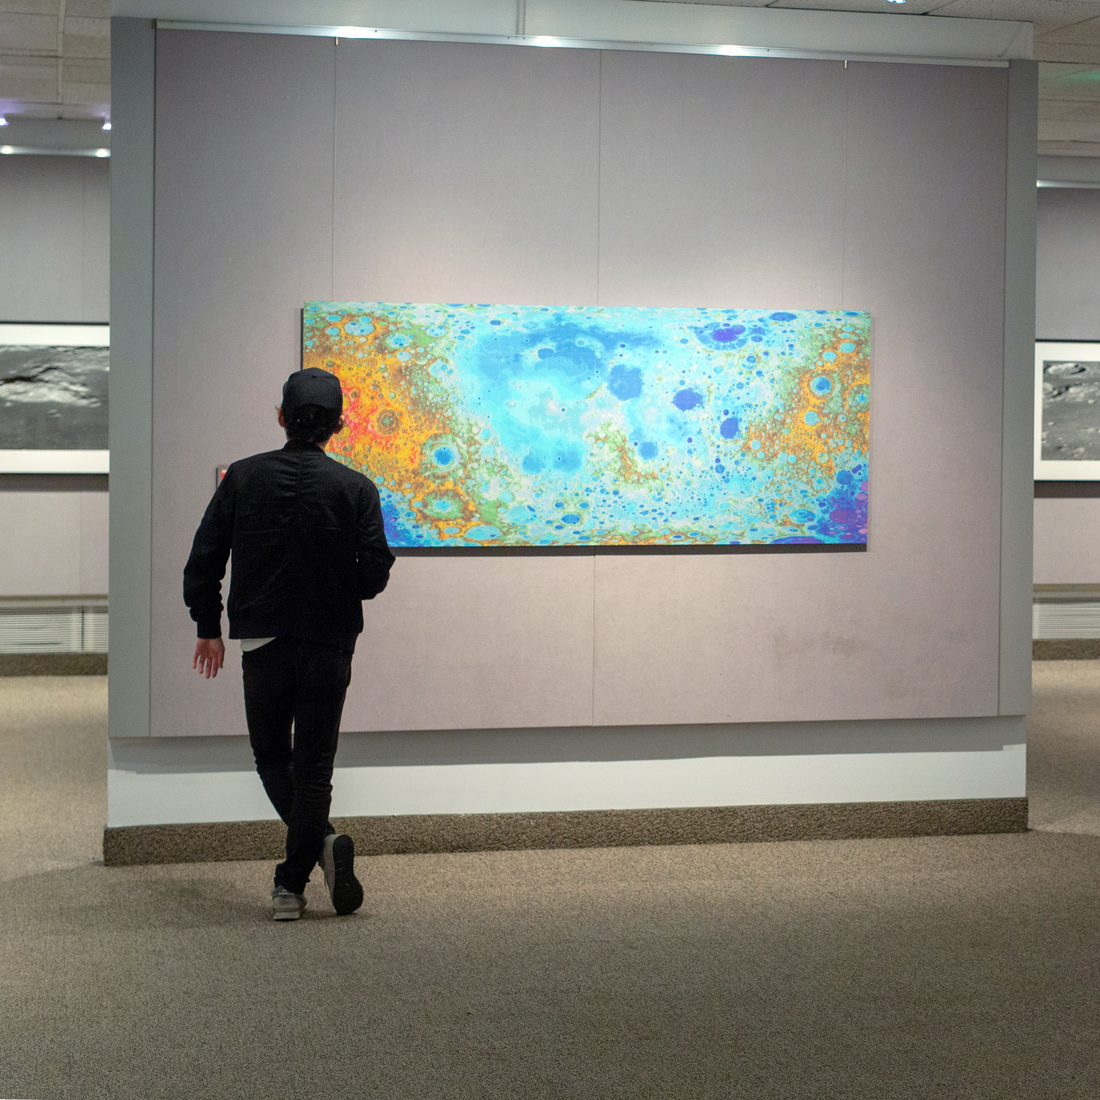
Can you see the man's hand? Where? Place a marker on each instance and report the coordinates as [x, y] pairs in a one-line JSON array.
[[209, 656]]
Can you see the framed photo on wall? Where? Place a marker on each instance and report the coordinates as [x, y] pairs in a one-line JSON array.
[[1067, 411], [53, 398]]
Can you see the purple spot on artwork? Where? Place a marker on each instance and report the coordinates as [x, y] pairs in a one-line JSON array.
[[687, 399], [729, 332], [729, 428]]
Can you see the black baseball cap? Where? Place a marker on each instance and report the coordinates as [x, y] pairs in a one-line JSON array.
[[312, 386]]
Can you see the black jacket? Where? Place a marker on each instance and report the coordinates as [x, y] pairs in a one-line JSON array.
[[308, 547]]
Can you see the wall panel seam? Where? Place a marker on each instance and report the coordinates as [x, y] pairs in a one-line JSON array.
[[152, 380], [335, 131]]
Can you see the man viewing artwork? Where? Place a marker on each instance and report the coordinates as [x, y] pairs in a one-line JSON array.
[[308, 545]]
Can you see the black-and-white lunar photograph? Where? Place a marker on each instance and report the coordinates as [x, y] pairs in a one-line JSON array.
[[53, 398], [1071, 411]]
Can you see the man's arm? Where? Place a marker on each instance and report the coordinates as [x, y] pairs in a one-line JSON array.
[[373, 557], [202, 576]]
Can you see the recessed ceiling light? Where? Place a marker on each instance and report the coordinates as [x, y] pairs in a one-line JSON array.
[[6, 149], [3, 121], [103, 152], [106, 124]]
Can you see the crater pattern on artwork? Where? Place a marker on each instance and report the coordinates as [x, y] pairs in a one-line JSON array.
[[498, 425]]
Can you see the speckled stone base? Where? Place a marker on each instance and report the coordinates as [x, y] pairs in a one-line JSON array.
[[1065, 649], [584, 829], [53, 664]]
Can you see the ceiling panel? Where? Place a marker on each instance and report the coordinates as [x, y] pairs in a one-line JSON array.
[[912, 7], [1057, 111], [31, 51], [28, 33], [1088, 55], [34, 7], [1080, 83], [87, 38], [1087, 32], [55, 58], [1045, 14], [27, 79], [1077, 150]]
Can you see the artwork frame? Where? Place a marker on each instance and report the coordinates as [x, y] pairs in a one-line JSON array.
[[1069, 354], [56, 460], [530, 426]]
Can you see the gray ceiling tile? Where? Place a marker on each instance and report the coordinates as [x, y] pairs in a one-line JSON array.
[[32, 7], [1046, 12], [28, 79], [100, 9], [1086, 33], [28, 33], [911, 8], [78, 44]]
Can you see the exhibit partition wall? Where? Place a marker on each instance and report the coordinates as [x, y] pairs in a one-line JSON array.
[[1067, 310], [293, 169], [54, 225]]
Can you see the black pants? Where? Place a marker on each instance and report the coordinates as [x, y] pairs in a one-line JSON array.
[[292, 683]]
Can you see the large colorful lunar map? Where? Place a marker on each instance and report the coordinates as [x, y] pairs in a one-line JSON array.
[[489, 425]]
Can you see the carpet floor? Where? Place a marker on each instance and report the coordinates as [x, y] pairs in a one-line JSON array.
[[955, 967]]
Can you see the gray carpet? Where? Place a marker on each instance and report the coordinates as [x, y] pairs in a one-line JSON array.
[[1064, 747], [938, 967]]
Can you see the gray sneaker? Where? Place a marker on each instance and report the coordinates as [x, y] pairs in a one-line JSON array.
[[338, 864], [286, 904]]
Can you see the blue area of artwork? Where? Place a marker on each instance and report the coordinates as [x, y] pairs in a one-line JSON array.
[[729, 427], [625, 382], [687, 399], [482, 533]]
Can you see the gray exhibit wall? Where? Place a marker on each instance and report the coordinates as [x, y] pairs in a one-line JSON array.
[[1018, 396], [1067, 540], [55, 228], [54, 266], [55, 535], [1067, 247], [1067, 529], [292, 168]]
